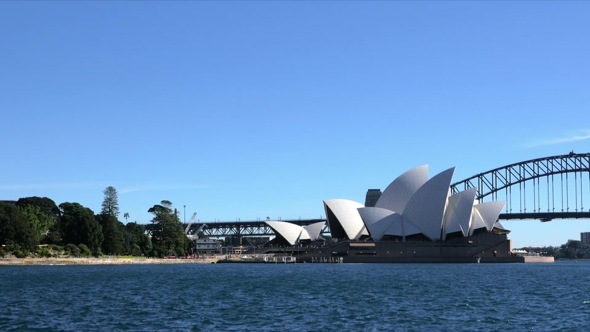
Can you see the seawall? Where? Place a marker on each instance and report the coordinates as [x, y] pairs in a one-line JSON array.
[[103, 261]]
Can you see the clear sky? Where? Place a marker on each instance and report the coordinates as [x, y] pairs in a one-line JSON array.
[[243, 110]]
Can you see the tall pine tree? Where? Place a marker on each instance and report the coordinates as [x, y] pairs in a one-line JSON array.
[[111, 228], [110, 204]]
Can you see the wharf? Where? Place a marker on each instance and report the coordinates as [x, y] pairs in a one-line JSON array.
[[539, 259]]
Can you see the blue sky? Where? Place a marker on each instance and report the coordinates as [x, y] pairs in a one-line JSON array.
[[254, 109]]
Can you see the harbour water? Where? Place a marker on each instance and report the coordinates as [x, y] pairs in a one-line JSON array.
[[297, 297]]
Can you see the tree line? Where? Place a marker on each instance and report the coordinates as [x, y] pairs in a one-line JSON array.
[[573, 249], [36, 226]]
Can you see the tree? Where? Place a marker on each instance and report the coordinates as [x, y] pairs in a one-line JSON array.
[[550, 251], [126, 216], [79, 226], [46, 228], [46, 205], [168, 238], [112, 243], [15, 228], [135, 241], [110, 204], [572, 249], [40, 221]]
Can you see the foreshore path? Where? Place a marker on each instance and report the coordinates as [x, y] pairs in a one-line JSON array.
[[104, 261]]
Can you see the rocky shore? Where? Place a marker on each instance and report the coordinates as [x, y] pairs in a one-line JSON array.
[[104, 261]]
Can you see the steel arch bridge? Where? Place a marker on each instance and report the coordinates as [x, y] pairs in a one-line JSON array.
[[547, 188]]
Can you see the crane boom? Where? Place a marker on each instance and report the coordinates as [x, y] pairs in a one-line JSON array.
[[188, 227]]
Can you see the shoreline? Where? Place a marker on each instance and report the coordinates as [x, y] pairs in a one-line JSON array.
[[102, 261]]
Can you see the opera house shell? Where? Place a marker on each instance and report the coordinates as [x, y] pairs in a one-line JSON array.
[[414, 206], [294, 234], [415, 219]]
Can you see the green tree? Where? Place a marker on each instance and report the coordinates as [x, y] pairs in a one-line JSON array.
[[15, 228], [126, 216], [550, 251], [110, 204], [169, 237], [78, 225], [570, 249], [112, 243], [84, 250], [72, 250], [40, 221], [136, 242], [48, 207]]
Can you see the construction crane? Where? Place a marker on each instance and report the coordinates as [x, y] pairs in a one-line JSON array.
[[188, 227], [194, 235]]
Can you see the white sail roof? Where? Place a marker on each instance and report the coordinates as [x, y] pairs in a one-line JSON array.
[[379, 221], [289, 231], [489, 212], [412, 204], [398, 193], [294, 233], [458, 212], [403, 228], [426, 207], [312, 231], [476, 221], [347, 215]]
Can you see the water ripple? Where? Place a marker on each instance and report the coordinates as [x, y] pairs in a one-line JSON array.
[[302, 297]]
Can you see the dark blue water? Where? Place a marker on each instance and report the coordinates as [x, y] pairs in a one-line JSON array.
[[300, 297]]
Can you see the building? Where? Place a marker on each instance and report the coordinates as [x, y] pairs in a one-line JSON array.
[[207, 246], [372, 197], [585, 238], [414, 207], [415, 219]]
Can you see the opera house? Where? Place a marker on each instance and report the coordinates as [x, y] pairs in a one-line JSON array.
[[415, 219]]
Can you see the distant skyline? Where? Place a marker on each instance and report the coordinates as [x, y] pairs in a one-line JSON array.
[[248, 109]]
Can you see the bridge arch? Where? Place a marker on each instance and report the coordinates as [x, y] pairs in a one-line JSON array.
[[550, 187]]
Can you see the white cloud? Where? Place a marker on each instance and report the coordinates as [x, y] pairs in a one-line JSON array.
[[574, 137]]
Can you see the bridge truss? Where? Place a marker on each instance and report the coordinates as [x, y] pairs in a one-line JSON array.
[[548, 188], [244, 228]]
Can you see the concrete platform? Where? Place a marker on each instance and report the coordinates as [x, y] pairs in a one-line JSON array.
[[538, 259]]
